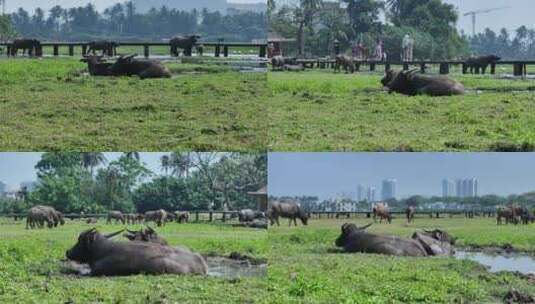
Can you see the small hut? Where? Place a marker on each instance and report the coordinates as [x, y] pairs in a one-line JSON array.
[[261, 198]]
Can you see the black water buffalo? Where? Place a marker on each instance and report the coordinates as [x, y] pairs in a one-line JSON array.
[[92, 220], [248, 215], [475, 64], [108, 48], [183, 42], [129, 66], [182, 216], [256, 223], [278, 62], [96, 66], [157, 216], [509, 213], [435, 242], [147, 235], [411, 83], [291, 211], [118, 216], [39, 215], [526, 216], [108, 258], [381, 210], [356, 239], [346, 62], [32, 45], [409, 213]]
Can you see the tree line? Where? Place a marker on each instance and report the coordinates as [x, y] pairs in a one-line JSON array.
[[88, 183], [317, 24], [122, 21]]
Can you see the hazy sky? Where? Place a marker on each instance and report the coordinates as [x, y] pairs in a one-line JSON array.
[[20, 167], [328, 174]]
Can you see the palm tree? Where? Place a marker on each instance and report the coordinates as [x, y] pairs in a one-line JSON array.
[[305, 16], [132, 155], [165, 161], [112, 179], [90, 160], [181, 163]]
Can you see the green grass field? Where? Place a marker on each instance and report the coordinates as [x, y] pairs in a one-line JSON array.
[[30, 267], [305, 267], [47, 105], [321, 111]]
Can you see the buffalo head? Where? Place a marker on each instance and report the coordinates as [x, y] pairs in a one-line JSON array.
[[88, 240], [347, 230]]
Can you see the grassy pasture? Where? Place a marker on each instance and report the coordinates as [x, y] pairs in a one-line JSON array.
[[47, 104], [30, 271], [305, 267], [318, 110]]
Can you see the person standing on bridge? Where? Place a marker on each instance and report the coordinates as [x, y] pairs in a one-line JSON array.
[[407, 45], [379, 51]]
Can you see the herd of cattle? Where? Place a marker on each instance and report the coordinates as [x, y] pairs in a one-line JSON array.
[[33, 47], [404, 82]]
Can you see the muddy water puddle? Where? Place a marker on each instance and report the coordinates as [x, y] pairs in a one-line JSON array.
[[514, 262]]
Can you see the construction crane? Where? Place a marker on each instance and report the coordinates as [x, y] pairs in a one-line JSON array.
[[3, 3], [478, 12]]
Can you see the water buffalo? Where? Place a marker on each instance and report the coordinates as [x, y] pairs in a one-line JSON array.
[[409, 212], [256, 223], [147, 235], [108, 48], [435, 242], [356, 239], [381, 210], [129, 66], [185, 43], [92, 220], [39, 215], [475, 64], [134, 218], [182, 216], [108, 258], [346, 62], [410, 83], [510, 214], [117, 216], [278, 62], [32, 45], [526, 216], [287, 210], [248, 215], [293, 67], [157, 216], [96, 66]]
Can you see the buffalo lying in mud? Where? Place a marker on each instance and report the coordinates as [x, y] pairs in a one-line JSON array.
[[108, 48], [291, 211], [185, 43], [39, 215], [409, 213], [346, 62], [381, 210], [248, 215], [129, 66], [356, 239], [32, 45], [157, 216], [475, 64], [411, 83], [108, 258], [147, 235], [427, 243], [96, 66], [118, 216], [278, 62]]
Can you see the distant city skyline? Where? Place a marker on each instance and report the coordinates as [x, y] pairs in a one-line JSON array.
[[326, 174]]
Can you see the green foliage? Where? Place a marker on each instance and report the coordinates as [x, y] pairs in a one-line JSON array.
[[521, 46], [6, 28]]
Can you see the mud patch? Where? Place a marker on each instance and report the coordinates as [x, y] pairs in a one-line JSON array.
[[497, 262]]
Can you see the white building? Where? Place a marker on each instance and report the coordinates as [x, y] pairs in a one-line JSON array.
[[388, 190], [448, 188]]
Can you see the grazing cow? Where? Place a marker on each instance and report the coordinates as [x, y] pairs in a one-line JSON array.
[[182, 216], [356, 239], [185, 43], [382, 211], [32, 45], [129, 66], [157, 216], [96, 66], [475, 64], [118, 216], [346, 62], [409, 212], [108, 48], [292, 211], [147, 235], [410, 83], [108, 258]]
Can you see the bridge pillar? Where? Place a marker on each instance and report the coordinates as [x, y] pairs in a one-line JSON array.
[[465, 69], [422, 68], [217, 50], [84, 49], [518, 69], [8, 50], [225, 51], [262, 51], [224, 219], [71, 50], [56, 50], [211, 216], [444, 68], [493, 68], [372, 67], [146, 50], [387, 66], [357, 67], [197, 216], [405, 67]]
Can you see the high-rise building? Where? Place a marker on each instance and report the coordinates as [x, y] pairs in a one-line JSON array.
[[3, 188], [388, 190], [361, 193], [448, 188], [370, 194], [467, 187]]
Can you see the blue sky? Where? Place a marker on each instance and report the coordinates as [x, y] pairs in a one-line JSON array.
[[19, 167], [328, 174]]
